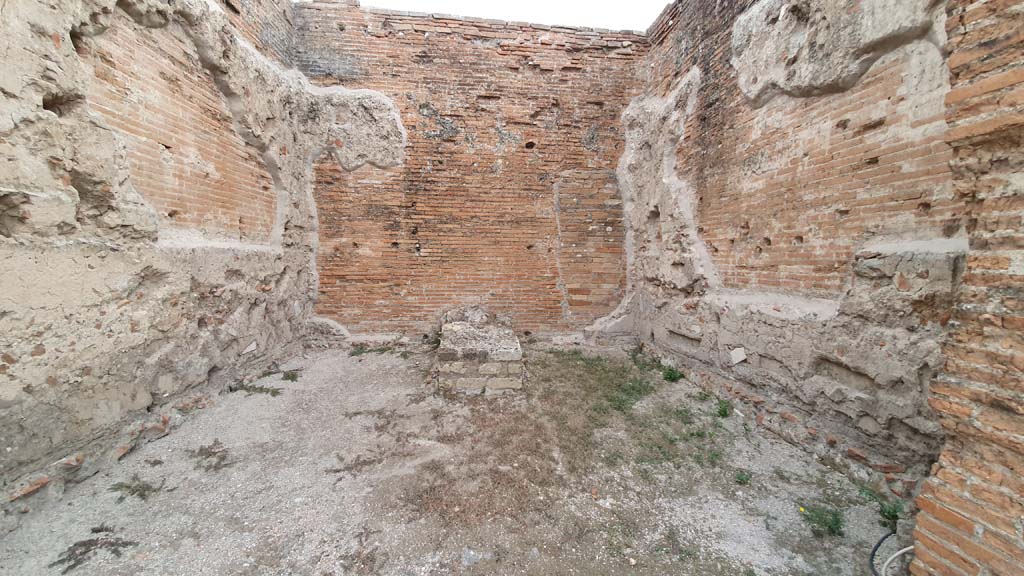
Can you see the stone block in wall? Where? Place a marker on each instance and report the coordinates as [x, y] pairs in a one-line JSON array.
[[906, 284]]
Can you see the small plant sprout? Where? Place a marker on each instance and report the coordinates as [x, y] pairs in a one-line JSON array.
[[743, 477], [724, 409]]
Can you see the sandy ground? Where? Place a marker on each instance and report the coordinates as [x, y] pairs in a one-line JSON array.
[[356, 467]]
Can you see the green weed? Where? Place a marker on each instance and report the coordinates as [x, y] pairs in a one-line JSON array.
[[823, 520], [624, 395], [889, 510], [361, 349], [670, 374], [251, 389]]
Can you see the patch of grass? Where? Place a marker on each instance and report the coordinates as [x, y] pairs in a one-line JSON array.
[[82, 551], [361, 349], [642, 360], [657, 447], [585, 393], [251, 389], [289, 376], [613, 386], [624, 395], [724, 409], [136, 487], [670, 374], [682, 414], [711, 457], [823, 520], [212, 458], [743, 477]]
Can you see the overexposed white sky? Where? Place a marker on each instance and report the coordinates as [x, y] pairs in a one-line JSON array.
[[629, 15]]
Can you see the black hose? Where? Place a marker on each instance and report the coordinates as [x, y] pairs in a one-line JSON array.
[[871, 559]]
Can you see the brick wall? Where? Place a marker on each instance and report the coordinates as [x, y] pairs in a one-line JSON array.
[[815, 273], [508, 197], [186, 158], [267, 24], [790, 190], [972, 508]]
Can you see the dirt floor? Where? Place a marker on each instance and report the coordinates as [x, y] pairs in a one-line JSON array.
[[347, 463]]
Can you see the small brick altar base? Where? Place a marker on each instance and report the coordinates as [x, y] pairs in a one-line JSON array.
[[479, 353]]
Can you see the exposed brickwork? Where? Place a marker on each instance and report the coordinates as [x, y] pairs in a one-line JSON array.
[[185, 156], [508, 197], [267, 24], [811, 303], [789, 191], [972, 509]]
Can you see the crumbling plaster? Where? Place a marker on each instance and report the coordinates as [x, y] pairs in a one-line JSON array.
[[812, 47], [108, 314]]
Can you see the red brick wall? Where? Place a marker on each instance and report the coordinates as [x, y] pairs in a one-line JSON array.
[[185, 156], [972, 509], [790, 190], [508, 196]]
